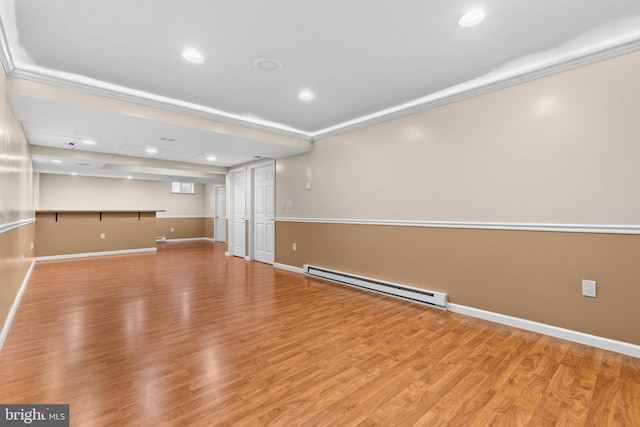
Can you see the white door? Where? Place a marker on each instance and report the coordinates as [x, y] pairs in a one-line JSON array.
[[264, 192], [220, 223], [238, 243]]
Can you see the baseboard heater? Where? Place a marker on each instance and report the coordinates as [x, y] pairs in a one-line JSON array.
[[408, 293]]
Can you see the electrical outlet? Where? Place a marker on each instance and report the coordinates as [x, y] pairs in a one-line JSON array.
[[172, 229], [102, 236], [589, 288], [295, 247]]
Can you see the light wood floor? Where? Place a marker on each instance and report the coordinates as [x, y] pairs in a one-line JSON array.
[[188, 336]]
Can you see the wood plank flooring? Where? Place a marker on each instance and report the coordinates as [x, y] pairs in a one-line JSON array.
[[188, 336]]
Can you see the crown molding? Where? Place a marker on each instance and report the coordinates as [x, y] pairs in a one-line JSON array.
[[480, 87], [150, 100], [450, 95]]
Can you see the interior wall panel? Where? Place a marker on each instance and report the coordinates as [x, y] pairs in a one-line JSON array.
[[79, 232], [17, 200], [560, 149], [181, 228], [16, 256], [208, 224], [66, 192]]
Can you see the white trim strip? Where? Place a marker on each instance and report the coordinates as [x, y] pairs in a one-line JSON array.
[[16, 224], [554, 331], [14, 307], [183, 216], [568, 228], [92, 254], [289, 268]]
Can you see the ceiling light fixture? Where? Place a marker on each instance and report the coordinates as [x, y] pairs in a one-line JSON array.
[[88, 142], [56, 161], [267, 63], [74, 173], [129, 177], [211, 158], [471, 18], [193, 55], [151, 151], [306, 95]]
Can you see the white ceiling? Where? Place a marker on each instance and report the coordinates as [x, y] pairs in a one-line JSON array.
[[365, 61]]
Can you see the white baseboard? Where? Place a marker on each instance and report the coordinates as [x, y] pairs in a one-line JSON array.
[[289, 268], [14, 307], [228, 254], [92, 254], [247, 258], [554, 331]]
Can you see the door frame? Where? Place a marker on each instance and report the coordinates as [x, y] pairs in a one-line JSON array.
[[251, 210], [231, 205]]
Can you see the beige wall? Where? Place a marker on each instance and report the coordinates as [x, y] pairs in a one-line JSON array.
[[209, 209], [79, 232], [183, 228], [66, 192], [209, 200], [17, 180], [559, 150], [209, 228], [17, 195]]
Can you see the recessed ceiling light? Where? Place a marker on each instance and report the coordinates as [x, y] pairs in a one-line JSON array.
[[88, 142], [193, 55], [306, 95], [74, 173], [151, 151], [129, 177], [267, 63], [471, 18], [211, 158], [56, 161]]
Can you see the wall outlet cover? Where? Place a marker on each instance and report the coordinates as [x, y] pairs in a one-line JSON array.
[[589, 288]]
